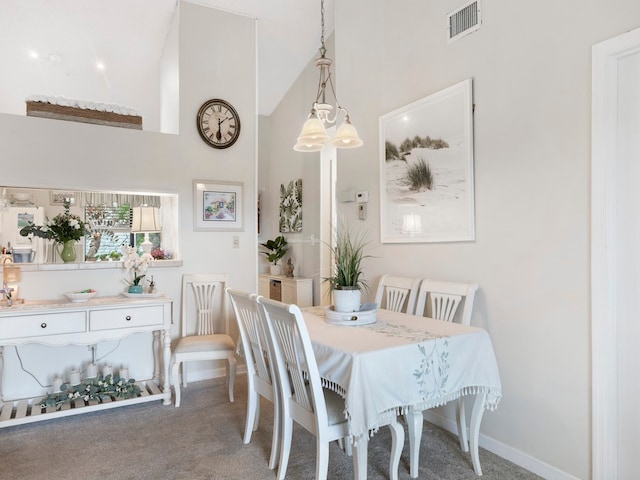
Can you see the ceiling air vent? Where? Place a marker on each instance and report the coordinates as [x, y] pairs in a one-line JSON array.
[[463, 21]]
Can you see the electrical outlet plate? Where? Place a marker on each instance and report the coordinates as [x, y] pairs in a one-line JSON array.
[[362, 212]]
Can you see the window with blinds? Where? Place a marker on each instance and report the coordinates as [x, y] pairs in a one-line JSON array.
[[110, 228]]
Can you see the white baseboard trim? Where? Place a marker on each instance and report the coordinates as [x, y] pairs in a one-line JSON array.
[[521, 459]]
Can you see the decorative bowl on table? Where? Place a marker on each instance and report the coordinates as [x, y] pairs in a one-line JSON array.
[[365, 316], [81, 296]]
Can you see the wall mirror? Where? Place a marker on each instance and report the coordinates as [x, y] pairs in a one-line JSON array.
[[111, 218]]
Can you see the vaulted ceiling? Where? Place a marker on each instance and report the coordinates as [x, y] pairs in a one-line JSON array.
[[70, 36]]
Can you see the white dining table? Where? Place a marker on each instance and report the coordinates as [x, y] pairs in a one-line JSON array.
[[404, 364]]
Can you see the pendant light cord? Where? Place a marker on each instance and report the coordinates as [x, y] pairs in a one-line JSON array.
[[322, 23]]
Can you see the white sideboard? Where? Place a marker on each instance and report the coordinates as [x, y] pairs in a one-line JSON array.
[[296, 290], [59, 323]]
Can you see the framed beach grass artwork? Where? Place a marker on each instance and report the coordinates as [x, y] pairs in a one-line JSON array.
[[426, 169]]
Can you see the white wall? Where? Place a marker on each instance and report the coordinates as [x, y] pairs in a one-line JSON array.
[[170, 78], [531, 73], [531, 70], [68, 155]]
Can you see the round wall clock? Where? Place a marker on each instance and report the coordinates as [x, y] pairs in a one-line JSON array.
[[218, 123]]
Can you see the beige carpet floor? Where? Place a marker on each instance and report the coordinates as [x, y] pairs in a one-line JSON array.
[[203, 440]]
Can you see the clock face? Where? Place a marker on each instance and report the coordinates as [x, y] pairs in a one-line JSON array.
[[218, 123]]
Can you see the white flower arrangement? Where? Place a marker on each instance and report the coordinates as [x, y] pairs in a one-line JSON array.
[[135, 263], [62, 228]]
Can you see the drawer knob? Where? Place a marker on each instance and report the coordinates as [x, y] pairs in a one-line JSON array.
[[127, 318], [43, 325]]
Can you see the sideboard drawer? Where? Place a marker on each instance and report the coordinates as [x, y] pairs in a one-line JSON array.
[[43, 324], [125, 317]]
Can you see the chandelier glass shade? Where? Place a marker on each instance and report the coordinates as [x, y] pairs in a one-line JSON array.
[[314, 136]]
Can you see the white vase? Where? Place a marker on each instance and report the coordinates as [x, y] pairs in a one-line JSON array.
[[346, 300], [276, 269]]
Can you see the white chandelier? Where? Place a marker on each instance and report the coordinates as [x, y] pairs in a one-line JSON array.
[[314, 133]]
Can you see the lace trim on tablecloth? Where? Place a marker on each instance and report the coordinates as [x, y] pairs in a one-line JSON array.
[[491, 402], [333, 386], [493, 397]]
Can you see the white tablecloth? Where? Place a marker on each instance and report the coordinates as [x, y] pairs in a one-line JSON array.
[[401, 361]]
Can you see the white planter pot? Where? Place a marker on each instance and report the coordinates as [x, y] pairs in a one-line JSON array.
[[346, 300], [276, 269]]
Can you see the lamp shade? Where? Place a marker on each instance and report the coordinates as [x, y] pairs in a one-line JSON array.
[[346, 136], [313, 131], [10, 273], [145, 219], [308, 147]]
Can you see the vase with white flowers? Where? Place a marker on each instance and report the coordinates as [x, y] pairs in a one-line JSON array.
[[64, 229], [137, 264]]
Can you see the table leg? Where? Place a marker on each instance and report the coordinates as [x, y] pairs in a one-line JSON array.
[[414, 423], [360, 459], [474, 430], [156, 346], [166, 389], [397, 442]]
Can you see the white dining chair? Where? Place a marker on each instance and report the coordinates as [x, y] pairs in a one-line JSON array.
[[260, 374], [209, 312], [303, 400], [397, 293], [441, 300]]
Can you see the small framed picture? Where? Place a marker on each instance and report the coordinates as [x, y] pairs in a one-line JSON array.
[[59, 196], [218, 206]]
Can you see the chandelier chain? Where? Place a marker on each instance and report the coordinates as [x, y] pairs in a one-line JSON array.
[[314, 134], [322, 23]]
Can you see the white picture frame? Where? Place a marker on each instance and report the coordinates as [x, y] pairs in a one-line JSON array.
[[218, 206], [426, 169], [57, 197]]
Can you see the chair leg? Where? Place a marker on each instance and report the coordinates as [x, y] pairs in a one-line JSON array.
[[231, 369], [275, 439], [414, 424], [397, 442], [252, 400], [285, 445], [256, 421], [345, 446], [184, 375], [175, 379], [462, 425], [322, 459]]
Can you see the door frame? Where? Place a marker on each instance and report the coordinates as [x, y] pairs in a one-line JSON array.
[[604, 262]]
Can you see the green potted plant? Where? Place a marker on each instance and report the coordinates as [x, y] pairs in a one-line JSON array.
[[346, 281], [276, 249]]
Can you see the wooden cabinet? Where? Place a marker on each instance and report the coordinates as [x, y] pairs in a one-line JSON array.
[[296, 290]]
